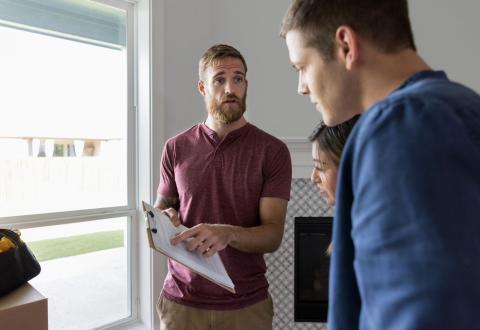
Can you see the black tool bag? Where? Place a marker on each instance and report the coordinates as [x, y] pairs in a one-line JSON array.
[[18, 265]]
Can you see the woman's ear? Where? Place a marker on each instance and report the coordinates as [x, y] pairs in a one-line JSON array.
[[347, 46]]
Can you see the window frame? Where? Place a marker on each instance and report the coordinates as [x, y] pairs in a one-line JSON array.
[[130, 210]]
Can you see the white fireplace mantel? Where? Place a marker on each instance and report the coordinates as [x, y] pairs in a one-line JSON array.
[[301, 153]]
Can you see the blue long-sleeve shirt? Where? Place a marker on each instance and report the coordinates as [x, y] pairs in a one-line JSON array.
[[406, 233]]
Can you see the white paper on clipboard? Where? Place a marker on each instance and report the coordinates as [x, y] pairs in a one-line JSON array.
[[160, 231]]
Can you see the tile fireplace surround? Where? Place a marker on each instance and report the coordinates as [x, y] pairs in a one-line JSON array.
[[304, 201]]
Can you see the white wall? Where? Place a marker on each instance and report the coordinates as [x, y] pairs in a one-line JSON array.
[[445, 32], [252, 27], [447, 37], [188, 32], [274, 105]]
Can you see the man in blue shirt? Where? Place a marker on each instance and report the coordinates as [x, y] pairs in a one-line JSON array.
[[406, 236]]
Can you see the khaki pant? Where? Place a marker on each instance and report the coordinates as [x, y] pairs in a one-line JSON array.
[[174, 316]]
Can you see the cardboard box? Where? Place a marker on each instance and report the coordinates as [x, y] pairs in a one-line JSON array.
[[24, 308]]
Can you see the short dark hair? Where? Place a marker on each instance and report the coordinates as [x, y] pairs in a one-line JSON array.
[[385, 23], [218, 52], [331, 140]]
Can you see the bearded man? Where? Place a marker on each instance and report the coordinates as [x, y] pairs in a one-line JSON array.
[[229, 182]]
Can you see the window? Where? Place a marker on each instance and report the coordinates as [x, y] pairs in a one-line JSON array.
[[67, 175], [84, 272]]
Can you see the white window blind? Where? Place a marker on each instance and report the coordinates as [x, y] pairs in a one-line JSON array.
[[83, 20]]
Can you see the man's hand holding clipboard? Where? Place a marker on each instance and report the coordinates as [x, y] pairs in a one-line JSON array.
[[161, 231]]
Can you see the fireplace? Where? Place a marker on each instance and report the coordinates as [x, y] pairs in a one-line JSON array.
[[311, 268]]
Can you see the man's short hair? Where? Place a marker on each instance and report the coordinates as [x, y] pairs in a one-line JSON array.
[[218, 52], [384, 23]]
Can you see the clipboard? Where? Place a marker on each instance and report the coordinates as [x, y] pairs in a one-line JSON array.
[[160, 231]]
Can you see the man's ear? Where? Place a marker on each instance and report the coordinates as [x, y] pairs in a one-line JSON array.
[[347, 46], [201, 87]]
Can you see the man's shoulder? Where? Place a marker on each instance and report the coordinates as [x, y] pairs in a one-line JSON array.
[[264, 138], [423, 105], [427, 93], [186, 135], [421, 117]]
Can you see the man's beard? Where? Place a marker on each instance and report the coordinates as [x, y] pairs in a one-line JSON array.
[[227, 113]]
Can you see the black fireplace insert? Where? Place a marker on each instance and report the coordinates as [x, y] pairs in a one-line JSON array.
[[312, 237]]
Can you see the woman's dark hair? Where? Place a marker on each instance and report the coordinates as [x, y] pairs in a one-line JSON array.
[[331, 140]]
